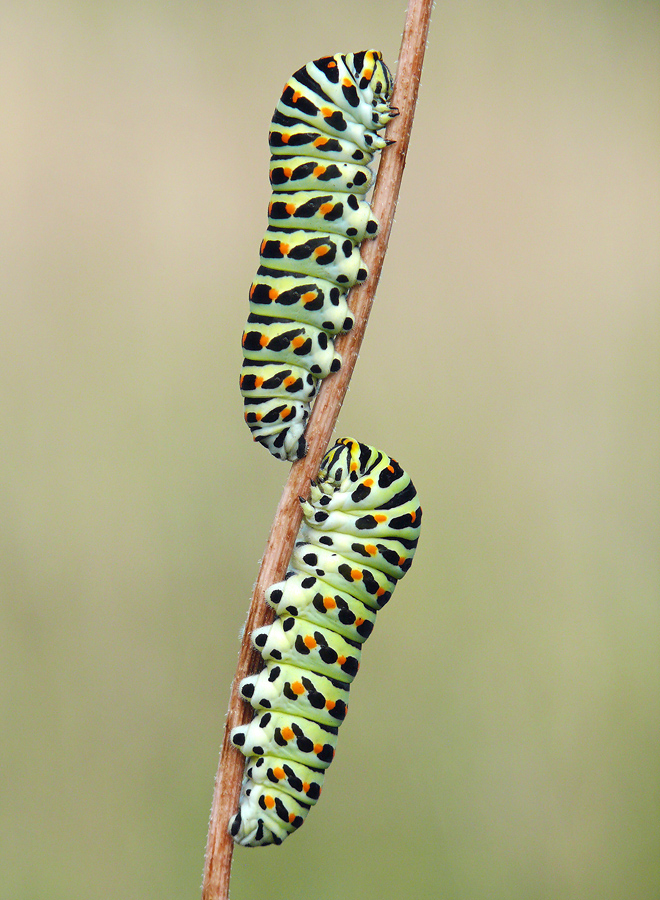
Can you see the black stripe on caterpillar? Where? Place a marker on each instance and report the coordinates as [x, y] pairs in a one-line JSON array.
[[358, 537], [323, 136]]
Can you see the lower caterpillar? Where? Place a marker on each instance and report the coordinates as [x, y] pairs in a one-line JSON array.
[[358, 537], [323, 136]]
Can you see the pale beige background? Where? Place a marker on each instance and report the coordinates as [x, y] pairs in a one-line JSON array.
[[503, 736]]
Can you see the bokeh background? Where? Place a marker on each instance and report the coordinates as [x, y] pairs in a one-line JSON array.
[[504, 731]]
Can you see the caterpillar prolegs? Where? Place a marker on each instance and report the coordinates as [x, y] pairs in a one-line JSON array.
[[323, 136], [358, 537]]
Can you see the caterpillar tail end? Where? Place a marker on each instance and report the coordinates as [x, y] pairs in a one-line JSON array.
[[284, 448], [256, 834]]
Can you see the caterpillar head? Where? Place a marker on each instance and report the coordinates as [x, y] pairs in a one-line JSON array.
[[340, 462]]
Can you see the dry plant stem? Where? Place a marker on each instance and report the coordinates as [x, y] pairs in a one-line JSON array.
[[321, 424]]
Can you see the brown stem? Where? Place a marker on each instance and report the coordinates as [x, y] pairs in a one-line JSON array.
[[276, 556]]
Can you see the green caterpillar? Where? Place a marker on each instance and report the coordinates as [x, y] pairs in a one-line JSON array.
[[358, 537], [323, 136]]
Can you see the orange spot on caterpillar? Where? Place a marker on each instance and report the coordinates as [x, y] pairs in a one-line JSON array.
[[327, 112], [347, 82], [326, 208], [320, 251], [359, 621], [273, 294], [286, 137], [287, 733], [284, 248], [379, 517], [279, 773], [380, 591], [297, 342], [356, 575], [354, 466], [368, 482], [319, 142], [297, 688], [268, 801], [296, 96], [292, 818], [309, 642], [258, 381], [252, 289], [402, 559], [263, 340], [318, 171], [330, 704], [332, 64], [318, 749], [287, 381], [290, 209], [390, 469], [285, 412], [329, 603], [309, 297], [262, 247], [306, 786], [413, 517], [288, 171], [341, 660], [371, 549]]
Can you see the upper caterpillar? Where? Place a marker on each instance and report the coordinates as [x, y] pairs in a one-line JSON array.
[[323, 136]]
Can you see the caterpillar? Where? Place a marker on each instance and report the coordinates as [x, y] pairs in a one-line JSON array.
[[357, 539], [323, 136]]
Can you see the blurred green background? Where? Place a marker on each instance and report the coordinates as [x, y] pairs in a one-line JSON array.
[[503, 737]]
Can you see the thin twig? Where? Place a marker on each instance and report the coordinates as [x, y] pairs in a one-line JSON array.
[[321, 424]]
